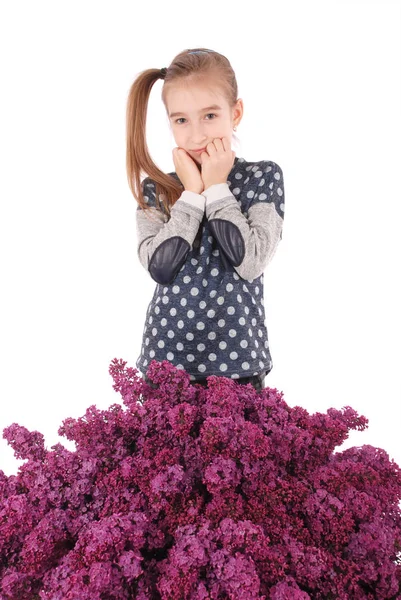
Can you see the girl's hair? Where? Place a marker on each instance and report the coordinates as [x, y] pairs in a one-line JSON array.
[[187, 67]]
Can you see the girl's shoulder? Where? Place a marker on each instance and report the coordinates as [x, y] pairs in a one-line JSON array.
[[255, 165], [260, 173]]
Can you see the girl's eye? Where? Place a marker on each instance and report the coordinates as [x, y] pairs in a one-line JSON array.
[[180, 119]]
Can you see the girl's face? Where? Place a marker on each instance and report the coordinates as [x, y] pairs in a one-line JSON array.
[[197, 115]]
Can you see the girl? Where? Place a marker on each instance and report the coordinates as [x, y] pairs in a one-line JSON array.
[[207, 231]]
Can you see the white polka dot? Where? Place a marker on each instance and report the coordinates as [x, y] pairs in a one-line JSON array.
[[180, 324], [165, 299], [238, 176], [194, 291], [250, 332], [189, 335], [202, 249], [199, 270], [190, 357], [201, 368], [151, 353], [163, 322], [215, 252], [180, 346], [202, 304], [262, 196], [221, 322], [183, 301], [186, 279], [239, 297], [200, 325], [154, 331], [214, 272], [204, 282], [212, 356], [230, 310], [194, 261], [253, 321], [170, 356], [213, 293], [165, 290], [211, 335], [233, 355], [170, 333], [211, 313], [245, 365], [150, 319], [201, 347], [229, 287], [223, 367], [277, 175], [261, 364], [241, 321], [253, 354], [220, 300], [173, 312], [176, 289], [157, 309], [243, 343], [190, 314], [232, 333], [250, 194], [147, 341], [179, 366], [282, 206], [235, 376], [223, 345]]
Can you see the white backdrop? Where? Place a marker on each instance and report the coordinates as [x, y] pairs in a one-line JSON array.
[[320, 81]]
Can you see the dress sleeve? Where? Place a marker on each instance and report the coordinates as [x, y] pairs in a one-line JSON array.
[[248, 240], [163, 243]]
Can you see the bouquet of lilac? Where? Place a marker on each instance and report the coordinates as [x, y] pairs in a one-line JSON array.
[[199, 493]]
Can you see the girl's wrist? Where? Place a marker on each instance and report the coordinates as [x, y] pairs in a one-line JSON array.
[[208, 184]]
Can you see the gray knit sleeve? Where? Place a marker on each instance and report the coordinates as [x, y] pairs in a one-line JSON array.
[[163, 243]]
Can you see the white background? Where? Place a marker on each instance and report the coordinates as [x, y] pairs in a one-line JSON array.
[[320, 83]]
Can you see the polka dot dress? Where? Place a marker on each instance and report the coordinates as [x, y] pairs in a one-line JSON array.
[[210, 321]]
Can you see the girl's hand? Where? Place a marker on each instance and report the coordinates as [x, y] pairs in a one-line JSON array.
[[217, 162], [187, 171]]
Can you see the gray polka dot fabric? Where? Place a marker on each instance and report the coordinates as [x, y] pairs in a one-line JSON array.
[[210, 320]]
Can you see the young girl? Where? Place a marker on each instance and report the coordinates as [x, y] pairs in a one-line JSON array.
[[207, 231]]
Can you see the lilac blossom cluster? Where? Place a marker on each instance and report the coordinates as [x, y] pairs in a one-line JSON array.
[[191, 492]]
